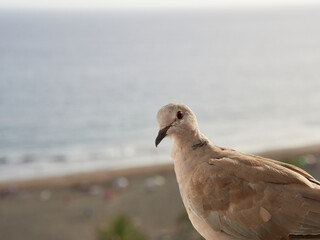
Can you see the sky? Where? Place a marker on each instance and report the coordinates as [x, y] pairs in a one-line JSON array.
[[147, 4]]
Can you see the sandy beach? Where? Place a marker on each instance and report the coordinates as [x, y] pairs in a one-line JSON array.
[[75, 206]]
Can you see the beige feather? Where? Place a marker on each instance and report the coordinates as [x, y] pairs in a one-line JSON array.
[[233, 195]]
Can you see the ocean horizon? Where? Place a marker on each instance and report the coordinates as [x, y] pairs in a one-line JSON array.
[[79, 91]]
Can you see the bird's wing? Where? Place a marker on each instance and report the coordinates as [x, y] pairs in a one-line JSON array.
[[250, 199], [258, 160]]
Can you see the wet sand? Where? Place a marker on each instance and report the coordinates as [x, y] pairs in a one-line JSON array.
[[75, 206]]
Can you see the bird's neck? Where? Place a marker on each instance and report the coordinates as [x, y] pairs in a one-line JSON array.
[[184, 153], [188, 139]]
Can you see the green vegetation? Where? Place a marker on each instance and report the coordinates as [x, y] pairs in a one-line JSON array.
[[299, 161], [183, 217], [120, 228]]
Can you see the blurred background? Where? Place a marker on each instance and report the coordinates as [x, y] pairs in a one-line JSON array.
[[81, 83]]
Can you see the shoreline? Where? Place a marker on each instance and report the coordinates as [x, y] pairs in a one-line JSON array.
[[90, 176], [107, 174], [74, 206]]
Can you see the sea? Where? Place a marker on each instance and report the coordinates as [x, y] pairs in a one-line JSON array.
[[79, 90]]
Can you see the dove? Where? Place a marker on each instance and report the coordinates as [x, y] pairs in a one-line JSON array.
[[231, 195]]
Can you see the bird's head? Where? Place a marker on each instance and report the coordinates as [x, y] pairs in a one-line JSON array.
[[175, 120]]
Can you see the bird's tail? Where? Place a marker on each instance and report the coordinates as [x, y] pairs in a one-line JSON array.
[[309, 227]]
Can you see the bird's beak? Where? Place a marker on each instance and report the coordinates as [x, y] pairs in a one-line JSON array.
[[162, 134]]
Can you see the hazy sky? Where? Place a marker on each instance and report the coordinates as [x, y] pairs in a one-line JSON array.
[[111, 4]]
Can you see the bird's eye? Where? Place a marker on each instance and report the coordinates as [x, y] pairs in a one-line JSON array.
[[179, 115]]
